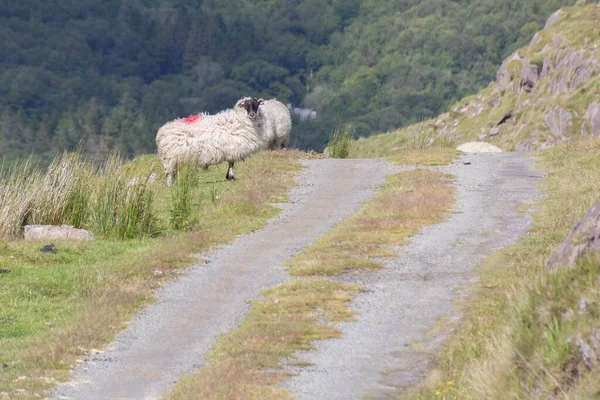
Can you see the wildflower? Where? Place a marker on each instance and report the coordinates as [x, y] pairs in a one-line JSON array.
[[449, 383]]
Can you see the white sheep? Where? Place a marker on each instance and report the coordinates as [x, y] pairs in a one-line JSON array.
[[278, 122], [230, 135]]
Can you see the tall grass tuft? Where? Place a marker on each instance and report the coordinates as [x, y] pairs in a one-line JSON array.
[[339, 140], [426, 138], [75, 192], [62, 194], [17, 196], [121, 208], [182, 194]]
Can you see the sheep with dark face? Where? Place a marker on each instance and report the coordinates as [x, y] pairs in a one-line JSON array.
[[230, 135]]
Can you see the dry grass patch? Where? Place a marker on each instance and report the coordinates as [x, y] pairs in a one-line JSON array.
[[431, 156], [55, 308], [245, 364], [517, 337], [404, 205]]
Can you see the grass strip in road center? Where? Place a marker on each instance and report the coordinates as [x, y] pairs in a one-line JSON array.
[[245, 363]]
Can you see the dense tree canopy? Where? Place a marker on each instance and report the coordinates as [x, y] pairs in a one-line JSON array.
[[111, 72]]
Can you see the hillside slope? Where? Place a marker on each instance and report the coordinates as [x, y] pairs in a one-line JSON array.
[[545, 93], [112, 72]]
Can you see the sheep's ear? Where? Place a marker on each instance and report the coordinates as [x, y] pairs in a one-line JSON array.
[[261, 101]]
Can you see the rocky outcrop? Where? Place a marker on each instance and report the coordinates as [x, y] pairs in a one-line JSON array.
[[530, 75], [558, 122], [53, 232], [552, 19], [584, 237], [572, 67], [593, 117], [506, 74]]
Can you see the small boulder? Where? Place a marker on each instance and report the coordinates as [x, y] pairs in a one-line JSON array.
[[558, 121], [478, 147], [593, 116], [584, 236], [530, 75], [53, 232], [552, 19]]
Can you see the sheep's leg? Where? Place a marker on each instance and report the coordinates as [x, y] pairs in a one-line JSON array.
[[170, 176], [229, 175]]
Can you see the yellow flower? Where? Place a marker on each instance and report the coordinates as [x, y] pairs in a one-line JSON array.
[[449, 383], [437, 393]]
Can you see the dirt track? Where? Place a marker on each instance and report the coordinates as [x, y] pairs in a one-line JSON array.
[[171, 337], [388, 348], [402, 302]]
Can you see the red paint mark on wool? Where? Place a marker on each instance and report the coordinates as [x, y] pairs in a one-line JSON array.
[[190, 119]]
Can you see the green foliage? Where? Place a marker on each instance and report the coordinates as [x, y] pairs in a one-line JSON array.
[[182, 196], [76, 192], [121, 207], [111, 73], [339, 140]]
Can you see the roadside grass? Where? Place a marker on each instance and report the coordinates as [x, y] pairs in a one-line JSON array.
[[431, 156], [415, 145], [523, 326], [246, 361], [339, 140], [58, 307]]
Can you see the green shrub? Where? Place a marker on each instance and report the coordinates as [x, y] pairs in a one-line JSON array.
[[121, 207], [182, 195], [339, 140]]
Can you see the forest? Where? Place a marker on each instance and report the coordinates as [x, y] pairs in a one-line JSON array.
[[108, 74]]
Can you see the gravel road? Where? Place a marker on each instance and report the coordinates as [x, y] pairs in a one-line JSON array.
[[376, 356], [171, 337]]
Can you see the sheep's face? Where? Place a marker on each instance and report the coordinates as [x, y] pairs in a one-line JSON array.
[[251, 105]]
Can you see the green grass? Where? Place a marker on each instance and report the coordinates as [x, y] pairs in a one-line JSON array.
[[245, 363], [182, 197], [54, 308], [517, 339], [415, 145], [339, 140]]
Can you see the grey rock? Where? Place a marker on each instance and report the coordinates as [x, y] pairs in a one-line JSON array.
[[557, 41], [552, 19], [572, 66], [53, 232], [567, 316], [588, 355], [595, 341], [546, 67], [583, 305], [584, 236], [593, 116], [558, 121], [504, 76], [530, 75], [495, 131]]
